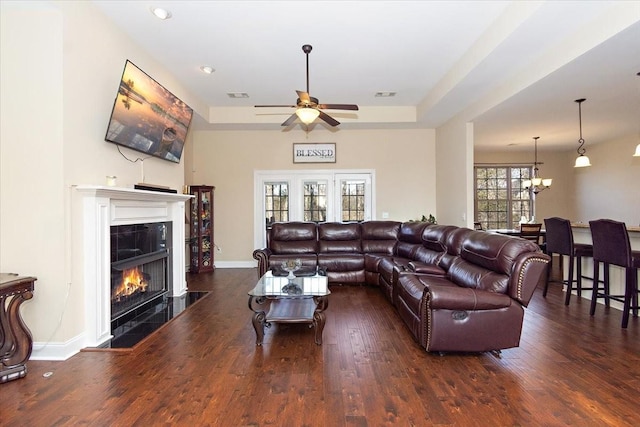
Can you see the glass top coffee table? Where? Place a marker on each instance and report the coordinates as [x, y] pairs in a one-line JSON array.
[[277, 299]]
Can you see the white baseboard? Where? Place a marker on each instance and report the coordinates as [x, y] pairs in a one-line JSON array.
[[236, 264], [57, 350]]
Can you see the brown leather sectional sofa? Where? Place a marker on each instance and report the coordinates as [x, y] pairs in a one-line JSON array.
[[456, 289]]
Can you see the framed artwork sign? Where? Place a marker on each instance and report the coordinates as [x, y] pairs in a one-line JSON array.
[[314, 153]]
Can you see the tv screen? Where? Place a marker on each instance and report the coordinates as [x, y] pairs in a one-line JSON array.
[[147, 117]]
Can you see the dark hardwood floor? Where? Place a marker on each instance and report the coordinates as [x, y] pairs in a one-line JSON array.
[[204, 369]]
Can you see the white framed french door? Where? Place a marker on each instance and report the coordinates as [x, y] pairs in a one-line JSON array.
[[311, 195]]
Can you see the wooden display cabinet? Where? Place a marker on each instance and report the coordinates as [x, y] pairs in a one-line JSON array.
[[202, 244]]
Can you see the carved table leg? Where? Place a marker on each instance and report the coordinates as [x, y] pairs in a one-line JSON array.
[[258, 325], [259, 318], [319, 317], [16, 342]]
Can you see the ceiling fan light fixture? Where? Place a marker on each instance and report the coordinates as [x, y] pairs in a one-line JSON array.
[[307, 115], [308, 108]]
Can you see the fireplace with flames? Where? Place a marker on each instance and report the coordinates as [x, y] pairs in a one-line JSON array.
[[140, 263]]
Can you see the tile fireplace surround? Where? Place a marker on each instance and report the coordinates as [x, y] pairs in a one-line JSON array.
[[103, 207]]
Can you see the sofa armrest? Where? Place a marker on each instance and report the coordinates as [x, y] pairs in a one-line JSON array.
[[459, 298], [529, 269], [262, 256], [424, 268]]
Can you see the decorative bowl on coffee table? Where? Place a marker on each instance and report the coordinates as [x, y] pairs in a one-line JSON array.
[[291, 266]]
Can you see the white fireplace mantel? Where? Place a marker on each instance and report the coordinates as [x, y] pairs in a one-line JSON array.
[[103, 207]]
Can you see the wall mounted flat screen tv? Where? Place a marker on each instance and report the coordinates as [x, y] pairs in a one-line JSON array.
[[147, 117]]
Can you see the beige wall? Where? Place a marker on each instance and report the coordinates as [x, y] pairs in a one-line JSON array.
[[32, 222], [60, 67], [454, 160], [610, 188], [403, 160]]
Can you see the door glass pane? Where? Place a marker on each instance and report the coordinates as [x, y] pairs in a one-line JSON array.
[[315, 201], [276, 202], [353, 200]]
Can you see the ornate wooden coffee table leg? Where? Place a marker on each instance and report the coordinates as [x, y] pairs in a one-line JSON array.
[[259, 318], [319, 317], [16, 342], [258, 325]]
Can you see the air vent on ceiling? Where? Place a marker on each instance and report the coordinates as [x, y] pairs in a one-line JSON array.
[[385, 94], [237, 94]]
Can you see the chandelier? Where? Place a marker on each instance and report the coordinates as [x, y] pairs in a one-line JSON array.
[[582, 160], [537, 184]]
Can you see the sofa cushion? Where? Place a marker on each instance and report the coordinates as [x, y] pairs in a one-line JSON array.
[[409, 239], [293, 238], [379, 236], [338, 237], [341, 262], [466, 274], [457, 298], [454, 240], [410, 289], [435, 236]]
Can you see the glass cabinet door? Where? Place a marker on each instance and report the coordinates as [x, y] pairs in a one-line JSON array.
[[201, 237]]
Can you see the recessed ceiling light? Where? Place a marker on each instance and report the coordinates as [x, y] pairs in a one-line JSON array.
[[161, 13], [237, 94], [207, 69], [384, 94]]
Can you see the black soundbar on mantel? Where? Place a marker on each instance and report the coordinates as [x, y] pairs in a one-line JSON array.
[[151, 187]]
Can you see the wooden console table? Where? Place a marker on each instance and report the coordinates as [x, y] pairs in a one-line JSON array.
[[16, 342]]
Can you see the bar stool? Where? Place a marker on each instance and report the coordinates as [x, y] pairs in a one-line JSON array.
[[611, 246], [560, 241]]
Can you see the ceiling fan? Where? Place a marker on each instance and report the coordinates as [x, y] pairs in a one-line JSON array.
[[307, 107]]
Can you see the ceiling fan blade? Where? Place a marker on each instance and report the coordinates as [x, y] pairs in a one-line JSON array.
[[327, 118], [275, 106], [290, 120], [338, 107], [304, 97]]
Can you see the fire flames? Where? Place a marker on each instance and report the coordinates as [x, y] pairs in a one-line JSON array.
[[133, 281]]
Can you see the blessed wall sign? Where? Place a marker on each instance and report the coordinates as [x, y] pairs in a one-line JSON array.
[[314, 153]]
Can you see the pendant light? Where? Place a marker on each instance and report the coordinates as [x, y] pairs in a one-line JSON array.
[[582, 160], [536, 184]]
